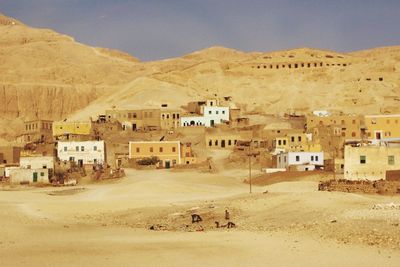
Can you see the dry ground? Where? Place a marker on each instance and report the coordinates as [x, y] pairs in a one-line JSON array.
[[106, 224]]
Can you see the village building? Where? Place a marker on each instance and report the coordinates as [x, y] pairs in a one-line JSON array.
[[300, 161], [383, 127], [136, 119], [296, 142], [271, 136], [351, 126], [168, 153], [71, 130], [37, 162], [37, 131], [370, 162], [226, 139], [28, 176], [212, 115], [10, 154], [170, 119], [82, 152]]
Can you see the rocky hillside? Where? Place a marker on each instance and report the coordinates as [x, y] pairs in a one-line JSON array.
[[48, 75]]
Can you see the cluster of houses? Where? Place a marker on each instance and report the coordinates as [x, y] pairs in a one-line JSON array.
[[359, 147]]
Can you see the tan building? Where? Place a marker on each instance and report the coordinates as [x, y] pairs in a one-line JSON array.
[[10, 154], [37, 131], [226, 139], [296, 142], [170, 119], [169, 153], [136, 119], [350, 125], [383, 127], [370, 162]]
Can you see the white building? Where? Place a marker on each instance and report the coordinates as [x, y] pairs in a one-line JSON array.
[[37, 162], [82, 152], [29, 176], [304, 161], [211, 115]]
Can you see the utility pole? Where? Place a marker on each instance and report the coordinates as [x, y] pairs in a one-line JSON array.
[[250, 165]]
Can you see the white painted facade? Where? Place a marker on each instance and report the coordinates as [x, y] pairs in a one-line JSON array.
[[31, 176], [284, 160], [82, 152], [37, 162], [211, 115]]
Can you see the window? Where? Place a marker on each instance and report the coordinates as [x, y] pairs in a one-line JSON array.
[[316, 158], [353, 134], [209, 112], [216, 142], [284, 142], [391, 160], [137, 150], [167, 116], [77, 148], [151, 149], [229, 142], [363, 159], [297, 158], [187, 154], [161, 149], [279, 142], [174, 161], [173, 116], [216, 112], [65, 148], [342, 122], [174, 149], [312, 158], [95, 148], [292, 138], [82, 148], [210, 143], [299, 138], [42, 174], [223, 112], [177, 116]]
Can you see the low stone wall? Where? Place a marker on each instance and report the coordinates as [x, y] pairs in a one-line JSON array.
[[367, 187]]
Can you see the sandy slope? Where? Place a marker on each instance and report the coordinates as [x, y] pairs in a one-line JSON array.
[[106, 224]]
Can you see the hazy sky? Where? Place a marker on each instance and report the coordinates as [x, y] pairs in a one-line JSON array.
[[157, 29]]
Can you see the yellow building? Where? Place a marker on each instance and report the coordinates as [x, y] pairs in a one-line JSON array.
[[383, 127], [71, 128], [169, 153], [350, 125], [296, 142], [370, 162]]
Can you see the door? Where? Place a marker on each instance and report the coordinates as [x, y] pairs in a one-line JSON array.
[[35, 176], [80, 162], [222, 143], [212, 123], [378, 135], [167, 164], [134, 126]]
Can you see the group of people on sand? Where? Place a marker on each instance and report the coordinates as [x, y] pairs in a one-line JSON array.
[[197, 218]]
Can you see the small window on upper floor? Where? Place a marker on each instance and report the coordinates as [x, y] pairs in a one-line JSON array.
[[363, 159]]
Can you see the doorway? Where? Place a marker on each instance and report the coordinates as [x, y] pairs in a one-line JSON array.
[[378, 135], [80, 162], [35, 176], [134, 126], [212, 123], [167, 164], [222, 143]]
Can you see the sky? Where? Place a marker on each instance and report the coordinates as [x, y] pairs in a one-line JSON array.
[[159, 29]]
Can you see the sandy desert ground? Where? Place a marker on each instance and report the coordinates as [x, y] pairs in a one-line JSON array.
[[107, 224]]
